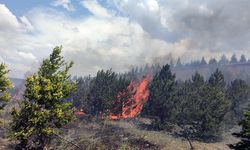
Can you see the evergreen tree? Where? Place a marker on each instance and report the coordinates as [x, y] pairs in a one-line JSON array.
[[178, 63], [190, 97], [160, 101], [215, 106], [238, 92], [223, 60], [5, 86], [203, 61], [233, 59], [212, 61], [80, 96], [103, 92], [243, 59], [45, 108], [217, 79], [244, 135]]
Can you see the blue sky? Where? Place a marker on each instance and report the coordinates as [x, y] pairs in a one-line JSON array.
[[21, 7], [119, 34]]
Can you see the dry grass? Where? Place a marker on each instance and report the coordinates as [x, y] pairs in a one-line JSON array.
[[123, 135]]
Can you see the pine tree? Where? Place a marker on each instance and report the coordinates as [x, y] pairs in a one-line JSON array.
[[223, 60], [233, 59], [203, 61], [215, 106], [5, 86], [217, 79], [178, 63], [212, 61], [45, 108], [238, 93], [160, 99], [243, 59], [244, 135], [103, 92]]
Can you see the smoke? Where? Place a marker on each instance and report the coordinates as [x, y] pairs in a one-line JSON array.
[[126, 33]]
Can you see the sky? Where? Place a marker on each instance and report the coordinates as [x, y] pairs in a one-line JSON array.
[[119, 34]]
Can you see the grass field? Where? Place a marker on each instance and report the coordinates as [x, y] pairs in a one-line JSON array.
[[126, 135], [121, 135]]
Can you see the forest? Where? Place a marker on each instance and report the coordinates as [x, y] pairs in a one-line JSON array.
[[197, 108]]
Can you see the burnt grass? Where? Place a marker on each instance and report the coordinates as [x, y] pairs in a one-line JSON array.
[[98, 135], [113, 136]]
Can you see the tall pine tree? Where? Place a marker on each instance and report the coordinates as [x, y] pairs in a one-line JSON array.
[[160, 99]]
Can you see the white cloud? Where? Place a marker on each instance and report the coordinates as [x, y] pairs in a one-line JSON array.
[[26, 23], [96, 9], [7, 19], [27, 56], [65, 4], [14, 38]]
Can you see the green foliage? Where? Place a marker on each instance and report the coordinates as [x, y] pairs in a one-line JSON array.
[[160, 99], [202, 106], [238, 93], [244, 135], [103, 90], [217, 79], [45, 108], [81, 94], [5, 86], [197, 104]]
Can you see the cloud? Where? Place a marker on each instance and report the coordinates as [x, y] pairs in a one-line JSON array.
[[7, 19], [148, 14], [65, 4], [96, 9], [128, 33], [14, 38], [25, 55]]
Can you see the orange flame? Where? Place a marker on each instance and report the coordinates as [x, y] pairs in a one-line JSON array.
[[80, 113], [134, 104]]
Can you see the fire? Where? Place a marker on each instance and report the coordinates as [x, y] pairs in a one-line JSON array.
[[80, 113], [134, 104]]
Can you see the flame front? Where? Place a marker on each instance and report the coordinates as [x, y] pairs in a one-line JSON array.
[[134, 104]]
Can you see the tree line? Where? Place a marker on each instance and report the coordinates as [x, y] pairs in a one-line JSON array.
[[203, 108], [212, 61]]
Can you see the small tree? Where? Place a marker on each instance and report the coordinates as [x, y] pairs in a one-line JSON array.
[[203, 61], [243, 59], [212, 61], [178, 63], [45, 108], [244, 135], [233, 59], [5, 85], [223, 60]]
